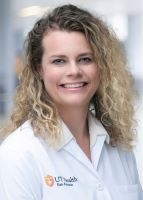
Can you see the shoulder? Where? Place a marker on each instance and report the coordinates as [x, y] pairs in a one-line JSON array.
[[19, 170], [124, 159], [18, 151], [128, 158], [19, 142], [124, 155]]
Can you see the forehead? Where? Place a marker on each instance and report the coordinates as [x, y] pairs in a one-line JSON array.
[[65, 41]]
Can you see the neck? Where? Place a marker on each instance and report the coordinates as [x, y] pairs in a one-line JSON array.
[[76, 120]]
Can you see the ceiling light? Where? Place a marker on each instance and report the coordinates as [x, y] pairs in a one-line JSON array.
[[33, 11]]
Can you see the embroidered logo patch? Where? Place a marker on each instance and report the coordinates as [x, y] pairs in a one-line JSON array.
[[60, 180], [49, 180]]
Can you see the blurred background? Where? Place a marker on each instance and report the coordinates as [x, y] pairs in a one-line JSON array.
[[17, 18]]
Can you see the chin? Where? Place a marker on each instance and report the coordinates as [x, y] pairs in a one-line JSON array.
[[76, 103]]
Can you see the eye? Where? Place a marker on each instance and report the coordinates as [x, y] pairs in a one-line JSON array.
[[58, 61], [85, 60]]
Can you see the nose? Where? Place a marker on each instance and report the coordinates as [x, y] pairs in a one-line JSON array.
[[73, 69]]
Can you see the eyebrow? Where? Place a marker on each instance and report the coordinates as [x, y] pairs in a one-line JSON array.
[[79, 55], [86, 53]]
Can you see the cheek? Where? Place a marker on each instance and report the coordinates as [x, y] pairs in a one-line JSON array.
[[47, 75], [50, 80], [95, 75], [98, 78]]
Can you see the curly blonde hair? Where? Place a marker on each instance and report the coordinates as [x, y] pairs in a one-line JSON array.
[[112, 102]]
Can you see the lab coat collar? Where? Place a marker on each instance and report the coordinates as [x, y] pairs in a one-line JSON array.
[[96, 129]]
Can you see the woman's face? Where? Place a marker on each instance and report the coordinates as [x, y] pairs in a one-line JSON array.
[[68, 69]]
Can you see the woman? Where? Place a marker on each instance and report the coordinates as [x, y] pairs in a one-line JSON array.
[[72, 124]]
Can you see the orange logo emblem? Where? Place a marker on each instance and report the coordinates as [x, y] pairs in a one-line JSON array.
[[49, 180]]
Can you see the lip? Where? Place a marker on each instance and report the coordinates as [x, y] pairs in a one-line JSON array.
[[73, 85]]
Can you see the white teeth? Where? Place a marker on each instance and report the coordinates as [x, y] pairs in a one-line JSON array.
[[73, 85]]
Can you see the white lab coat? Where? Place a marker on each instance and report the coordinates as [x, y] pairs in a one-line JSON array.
[[32, 170]]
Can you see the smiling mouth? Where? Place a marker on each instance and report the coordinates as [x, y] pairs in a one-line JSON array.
[[73, 85]]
